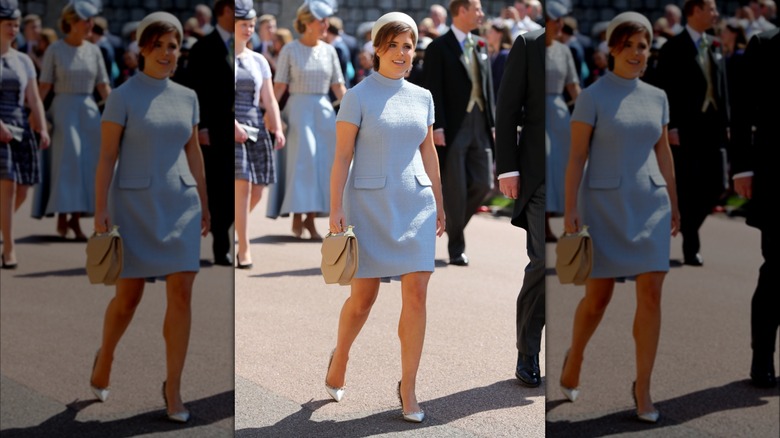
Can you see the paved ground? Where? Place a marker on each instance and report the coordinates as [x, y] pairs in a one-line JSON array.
[[700, 382], [286, 321], [50, 327]]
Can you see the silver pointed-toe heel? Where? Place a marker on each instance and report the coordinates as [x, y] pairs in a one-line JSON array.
[[100, 393], [412, 417], [647, 417], [335, 393], [176, 417], [569, 393]]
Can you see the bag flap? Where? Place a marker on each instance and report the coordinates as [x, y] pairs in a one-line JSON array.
[[98, 248], [333, 247], [568, 247]]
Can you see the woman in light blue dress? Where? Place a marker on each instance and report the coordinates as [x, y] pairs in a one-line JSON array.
[[308, 67], [73, 67], [386, 183], [155, 197], [560, 75], [626, 195], [18, 149]]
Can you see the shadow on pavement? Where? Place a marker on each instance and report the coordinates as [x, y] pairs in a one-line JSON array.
[[676, 411], [500, 395], [204, 411], [282, 239], [73, 272], [293, 273]]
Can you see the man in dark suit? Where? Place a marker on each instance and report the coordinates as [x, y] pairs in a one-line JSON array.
[[520, 168], [457, 72], [210, 67], [753, 163], [691, 71]]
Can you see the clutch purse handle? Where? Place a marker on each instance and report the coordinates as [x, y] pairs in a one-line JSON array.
[[114, 230], [582, 232], [348, 232]]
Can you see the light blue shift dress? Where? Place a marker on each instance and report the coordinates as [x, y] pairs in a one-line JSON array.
[[623, 197], [388, 195], [153, 196]]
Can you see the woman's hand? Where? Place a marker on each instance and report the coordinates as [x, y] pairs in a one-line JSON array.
[[5, 134], [45, 140], [280, 140], [675, 220], [240, 134], [441, 222], [205, 222], [571, 222], [337, 221], [102, 221]]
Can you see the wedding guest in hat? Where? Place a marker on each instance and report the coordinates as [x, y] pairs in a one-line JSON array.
[[254, 147], [73, 68], [308, 67], [626, 196], [18, 147], [156, 196], [392, 196]]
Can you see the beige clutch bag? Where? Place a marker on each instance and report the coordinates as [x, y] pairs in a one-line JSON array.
[[574, 260], [104, 257], [339, 257]]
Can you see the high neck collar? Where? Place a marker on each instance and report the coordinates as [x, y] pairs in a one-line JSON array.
[[622, 82], [384, 80], [148, 80]]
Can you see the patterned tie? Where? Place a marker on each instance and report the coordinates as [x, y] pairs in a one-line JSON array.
[[231, 46], [468, 47], [704, 61]]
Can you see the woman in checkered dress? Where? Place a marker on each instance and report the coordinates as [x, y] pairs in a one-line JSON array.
[[254, 147]]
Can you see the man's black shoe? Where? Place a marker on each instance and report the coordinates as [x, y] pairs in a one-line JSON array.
[[527, 371], [225, 260], [460, 260]]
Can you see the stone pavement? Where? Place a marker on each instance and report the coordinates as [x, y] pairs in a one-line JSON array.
[[286, 321], [50, 326], [700, 381]]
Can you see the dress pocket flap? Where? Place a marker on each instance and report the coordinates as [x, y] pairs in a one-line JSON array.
[[658, 179], [370, 182], [604, 183], [332, 248], [423, 179], [188, 179], [135, 182]]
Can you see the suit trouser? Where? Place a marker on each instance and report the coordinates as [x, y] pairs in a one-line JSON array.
[[219, 163], [530, 301], [764, 317], [467, 177]]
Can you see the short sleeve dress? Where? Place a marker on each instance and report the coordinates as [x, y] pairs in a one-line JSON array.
[[623, 197], [304, 164], [388, 196], [75, 143], [254, 159], [18, 159], [153, 197]]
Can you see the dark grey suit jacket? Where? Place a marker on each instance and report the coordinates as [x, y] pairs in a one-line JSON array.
[[446, 77], [521, 102]]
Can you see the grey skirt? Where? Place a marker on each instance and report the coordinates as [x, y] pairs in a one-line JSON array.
[[255, 160]]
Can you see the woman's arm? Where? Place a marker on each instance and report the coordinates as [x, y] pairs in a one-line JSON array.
[[39, 116], [431, 163], [271, 106], [578, 155], [110, 135], [195, 161], [663, 153], [279, 89], [45, 89], [104, 90], [338, 90], [574, 90], [345, 148]]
